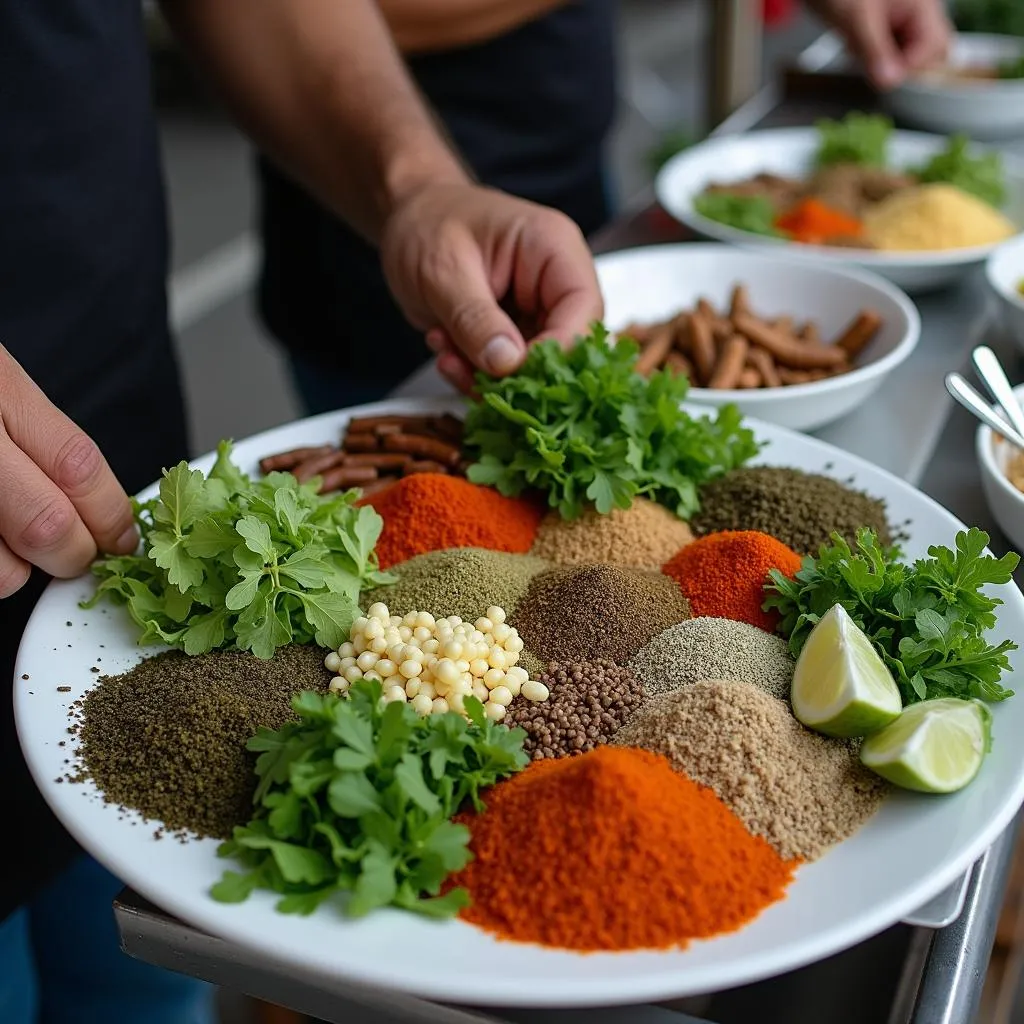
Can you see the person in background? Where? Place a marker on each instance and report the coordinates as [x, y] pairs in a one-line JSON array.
[[90, 399], [526, 91]]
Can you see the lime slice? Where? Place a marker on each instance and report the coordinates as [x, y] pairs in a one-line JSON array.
[[841, 686], [936, 746]]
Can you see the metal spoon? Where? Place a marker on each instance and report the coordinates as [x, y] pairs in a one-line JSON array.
[[989, 369], [974, 403]]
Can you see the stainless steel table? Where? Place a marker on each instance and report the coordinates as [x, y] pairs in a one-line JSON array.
[[927, 970]]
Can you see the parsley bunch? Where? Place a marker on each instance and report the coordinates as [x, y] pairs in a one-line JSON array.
[[980, 175], [357, 796], [231, 562], [857, 139], [583, 427], [927, 619]]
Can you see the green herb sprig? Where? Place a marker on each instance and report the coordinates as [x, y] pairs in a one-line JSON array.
[[231, 562], [585, 429], [745, 213], [928, 619], [356, 796], [857, 139], [980, 175]]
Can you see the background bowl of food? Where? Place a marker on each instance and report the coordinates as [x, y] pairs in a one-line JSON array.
[[979, 90], [786, 341], [1004, 270], [1002, 479], [916, 208]]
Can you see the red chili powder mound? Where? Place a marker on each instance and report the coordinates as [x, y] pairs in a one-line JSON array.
[[723, 574], [430, 512], [570, 852]]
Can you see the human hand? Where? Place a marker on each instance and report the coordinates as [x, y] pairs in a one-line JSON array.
[[892, 37], [59, 500], [484, 273]]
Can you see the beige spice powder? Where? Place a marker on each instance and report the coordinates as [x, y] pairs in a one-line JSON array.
[[801, 791], [644, 536]]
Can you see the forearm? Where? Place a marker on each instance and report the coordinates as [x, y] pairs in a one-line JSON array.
[[423, 26], [321, 88]]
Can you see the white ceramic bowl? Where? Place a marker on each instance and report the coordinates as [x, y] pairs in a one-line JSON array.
[[1004, 270], [791, 152], [1005, 502], [984, 110], [655, 282]]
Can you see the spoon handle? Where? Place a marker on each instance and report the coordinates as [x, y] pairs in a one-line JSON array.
[[991, 373], [958, 387]]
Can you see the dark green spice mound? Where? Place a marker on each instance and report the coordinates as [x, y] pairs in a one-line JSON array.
[[168, 737], [800, 509]]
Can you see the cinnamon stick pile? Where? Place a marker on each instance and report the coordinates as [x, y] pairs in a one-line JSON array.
[[377, 450], [735, 348]]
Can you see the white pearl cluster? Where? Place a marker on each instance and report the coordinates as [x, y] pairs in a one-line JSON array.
[[434, 664]]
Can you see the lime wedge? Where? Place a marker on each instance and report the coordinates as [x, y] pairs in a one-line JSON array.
[[841, 686], [936, 746]]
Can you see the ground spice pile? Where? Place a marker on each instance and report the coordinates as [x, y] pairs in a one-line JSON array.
[[167, 738], [801, 791], [711, 648], [458, 581], [589, 702], [723, 575], [603, 829], [431, 512], [799, 509], [593, 612], [643, 536]]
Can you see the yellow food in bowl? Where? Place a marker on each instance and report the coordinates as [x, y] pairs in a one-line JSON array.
[[934, 217]]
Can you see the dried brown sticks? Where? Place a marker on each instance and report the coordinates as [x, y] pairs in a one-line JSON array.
[[736, 348], [375, 451]]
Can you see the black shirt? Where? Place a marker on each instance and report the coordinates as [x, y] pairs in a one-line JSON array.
[[83, 259], [529, 112]]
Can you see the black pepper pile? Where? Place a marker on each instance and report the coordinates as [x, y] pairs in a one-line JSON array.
[[168, 738], [799, 509], [589, 702], [594, 612]]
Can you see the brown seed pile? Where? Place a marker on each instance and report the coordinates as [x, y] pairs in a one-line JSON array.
[[644, 536], [802, 791], [800, 509], [168, 737], [589, 702], [591, 612]]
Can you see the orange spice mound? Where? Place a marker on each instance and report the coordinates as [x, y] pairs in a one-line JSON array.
[[723, 574], [613, 850], [431, 512]]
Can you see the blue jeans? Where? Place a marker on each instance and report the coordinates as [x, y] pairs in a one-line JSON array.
[[61, 962]]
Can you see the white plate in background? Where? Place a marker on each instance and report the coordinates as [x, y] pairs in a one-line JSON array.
[[655, 282], [791, 152]]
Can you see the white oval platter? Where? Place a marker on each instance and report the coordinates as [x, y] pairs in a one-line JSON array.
[[912, 849]]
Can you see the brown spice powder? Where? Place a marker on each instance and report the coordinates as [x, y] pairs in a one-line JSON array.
[[597, 612], [644, 536], [802, 791]]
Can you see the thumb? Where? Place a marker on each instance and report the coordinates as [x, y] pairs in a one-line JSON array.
[[458, 293], [871, 36]]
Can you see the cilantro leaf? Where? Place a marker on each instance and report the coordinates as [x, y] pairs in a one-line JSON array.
[[587, 430], [231, 562], [357, 796], [928, 619]]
